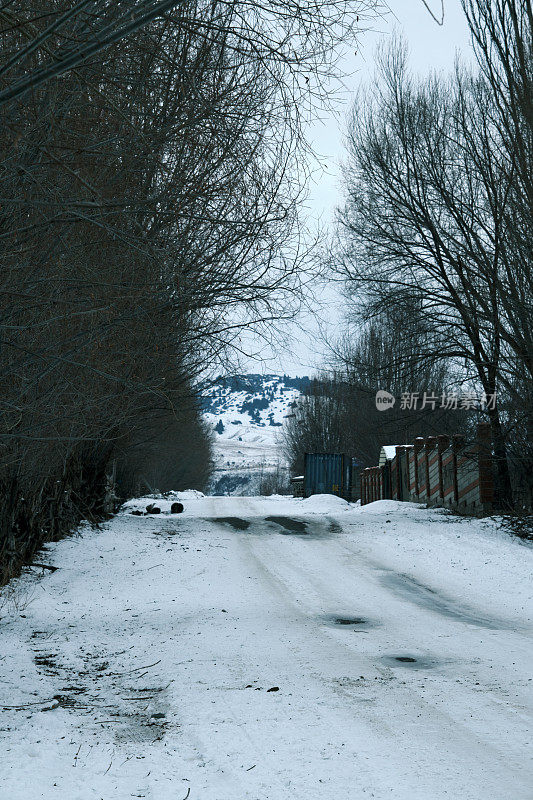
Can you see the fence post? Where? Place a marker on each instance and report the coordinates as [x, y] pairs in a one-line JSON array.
[[443, 443], [419, 444], [458, 442], [431, 441], [400, 450]]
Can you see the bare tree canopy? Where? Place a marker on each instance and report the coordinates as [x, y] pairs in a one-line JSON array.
[[152, 163], [438, 219]]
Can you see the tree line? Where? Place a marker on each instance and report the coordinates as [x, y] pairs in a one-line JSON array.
[[434, 247], [152, 161]]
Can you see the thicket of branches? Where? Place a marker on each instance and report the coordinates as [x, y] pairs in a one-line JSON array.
[[435, 235], [338, 414], [148, 206]]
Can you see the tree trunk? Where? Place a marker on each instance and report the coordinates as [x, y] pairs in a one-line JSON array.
[[503, 496]]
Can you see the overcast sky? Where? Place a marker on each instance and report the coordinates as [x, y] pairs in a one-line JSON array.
[[431, 47]]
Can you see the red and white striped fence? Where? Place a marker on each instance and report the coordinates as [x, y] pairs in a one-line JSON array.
[[439, 471]]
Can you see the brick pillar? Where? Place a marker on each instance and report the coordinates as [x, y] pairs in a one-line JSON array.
[[419, 444], [486, 480], [458, 442], [400, 459], [431, 442], [411, 472], [443, 442]]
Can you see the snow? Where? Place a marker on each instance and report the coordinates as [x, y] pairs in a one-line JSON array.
[[324, 504], [160, 636], [247, 449]]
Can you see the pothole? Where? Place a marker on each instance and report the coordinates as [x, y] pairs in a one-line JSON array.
[[291, 525], [348, 621], [335, 527], [236, 523], [410, 661]]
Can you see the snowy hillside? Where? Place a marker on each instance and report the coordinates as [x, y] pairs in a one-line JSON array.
[[247, 413]]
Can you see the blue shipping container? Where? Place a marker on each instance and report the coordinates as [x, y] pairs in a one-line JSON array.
[[327, 473]]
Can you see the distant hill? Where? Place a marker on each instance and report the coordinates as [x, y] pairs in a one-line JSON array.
[[247, 413], [228, 391]]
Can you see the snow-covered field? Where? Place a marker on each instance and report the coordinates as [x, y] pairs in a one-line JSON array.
[[248, 446], [271, 649]]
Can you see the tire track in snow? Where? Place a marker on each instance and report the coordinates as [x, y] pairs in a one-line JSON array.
[[293, 579]]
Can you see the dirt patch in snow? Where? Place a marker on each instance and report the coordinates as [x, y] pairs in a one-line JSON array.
[[46, 663], [104, 696]]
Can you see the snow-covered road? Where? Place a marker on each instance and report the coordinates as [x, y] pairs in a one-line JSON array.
[[272, 649]]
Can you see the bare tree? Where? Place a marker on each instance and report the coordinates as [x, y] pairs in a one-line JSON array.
[[338, 413], [425, 219], [152, 161], [502, 33]]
